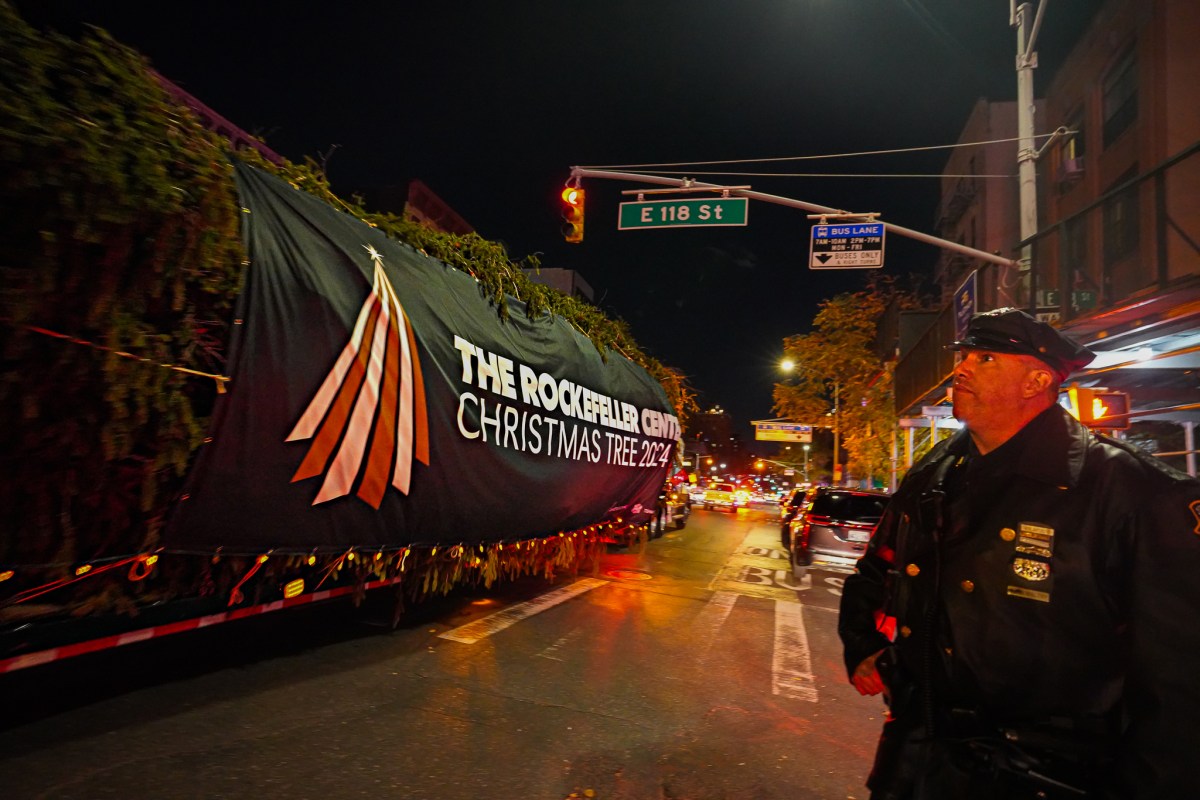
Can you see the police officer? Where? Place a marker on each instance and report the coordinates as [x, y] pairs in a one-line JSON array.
[[1045, 587]]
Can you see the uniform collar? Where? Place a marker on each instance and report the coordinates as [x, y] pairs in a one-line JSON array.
[[1050, 449]]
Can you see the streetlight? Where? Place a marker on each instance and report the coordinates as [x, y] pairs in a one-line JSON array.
[[787, 365], [806, 447], [837, 418]]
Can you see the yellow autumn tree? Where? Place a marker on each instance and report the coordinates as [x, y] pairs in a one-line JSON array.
[[839, 378]]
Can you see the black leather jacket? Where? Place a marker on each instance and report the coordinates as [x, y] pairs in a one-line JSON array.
[[1059, 580]]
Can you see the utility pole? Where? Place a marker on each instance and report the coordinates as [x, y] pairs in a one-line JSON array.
[[1020, 17], [838, 477]]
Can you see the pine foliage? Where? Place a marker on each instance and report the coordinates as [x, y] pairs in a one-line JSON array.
[[120, 260]]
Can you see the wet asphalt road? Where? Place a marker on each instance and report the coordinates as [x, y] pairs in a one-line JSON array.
[[694, 667]]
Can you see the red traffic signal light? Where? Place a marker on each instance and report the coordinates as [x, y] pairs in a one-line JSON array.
[[573, 213]]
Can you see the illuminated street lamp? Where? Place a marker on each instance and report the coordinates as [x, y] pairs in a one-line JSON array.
[[837, 418], [806, 447], [787, 365]]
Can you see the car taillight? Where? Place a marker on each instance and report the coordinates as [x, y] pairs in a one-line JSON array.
[[802, 535]]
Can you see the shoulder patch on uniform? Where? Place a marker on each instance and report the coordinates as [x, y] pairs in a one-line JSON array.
[[1194, 507]]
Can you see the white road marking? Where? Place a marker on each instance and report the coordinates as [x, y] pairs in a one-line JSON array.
[[843, 564], [708, 622], [754, 569], [559, 645], [483, 627], [791, 668]]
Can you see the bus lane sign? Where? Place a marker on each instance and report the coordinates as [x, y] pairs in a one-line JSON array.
[[851, 245]]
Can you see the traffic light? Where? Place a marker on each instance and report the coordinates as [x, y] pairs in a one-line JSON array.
[[573, 213], [1100, 408]]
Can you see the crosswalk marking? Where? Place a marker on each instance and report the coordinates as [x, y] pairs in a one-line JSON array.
[[791, 660], [791, 668], [483, 627]]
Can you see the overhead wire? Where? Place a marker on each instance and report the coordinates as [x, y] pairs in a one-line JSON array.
[[891, 151], [821, 174]]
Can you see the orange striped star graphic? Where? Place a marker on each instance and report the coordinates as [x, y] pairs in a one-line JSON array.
[[368, 419]]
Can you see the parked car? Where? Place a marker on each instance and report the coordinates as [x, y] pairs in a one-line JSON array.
[[835, 522], [789, 507]]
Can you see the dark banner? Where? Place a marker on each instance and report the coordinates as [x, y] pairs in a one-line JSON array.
[[378, 399]]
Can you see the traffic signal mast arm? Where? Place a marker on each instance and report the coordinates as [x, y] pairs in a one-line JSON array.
[[578, 173]]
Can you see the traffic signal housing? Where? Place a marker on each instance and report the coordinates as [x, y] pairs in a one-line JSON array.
[[1100, 408], [573, 197]]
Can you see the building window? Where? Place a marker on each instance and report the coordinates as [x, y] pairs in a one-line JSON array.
[[1121, 221], [1075, 246], [1120, 97], [1076, 146], [1085, 288], [1070, 164]]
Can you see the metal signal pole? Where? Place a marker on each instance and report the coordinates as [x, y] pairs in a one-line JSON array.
[[687, 183], [1020, 17]]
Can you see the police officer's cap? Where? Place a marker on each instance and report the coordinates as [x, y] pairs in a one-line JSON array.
[[1010, 330]]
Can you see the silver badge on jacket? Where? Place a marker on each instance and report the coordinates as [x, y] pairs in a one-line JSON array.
[[1031, 570], [1035, 542]]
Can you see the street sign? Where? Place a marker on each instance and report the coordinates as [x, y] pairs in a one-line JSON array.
[[1048, 309], [782, 432], [1081, 300], [694, 213], [850, 245]]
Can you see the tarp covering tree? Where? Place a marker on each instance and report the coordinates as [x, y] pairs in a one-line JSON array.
[[378, 400], [124, 327]]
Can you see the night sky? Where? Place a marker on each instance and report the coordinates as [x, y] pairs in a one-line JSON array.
[[491, 104]]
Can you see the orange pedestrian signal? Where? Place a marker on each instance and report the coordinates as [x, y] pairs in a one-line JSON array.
[[1100, 408], [573, 197]]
